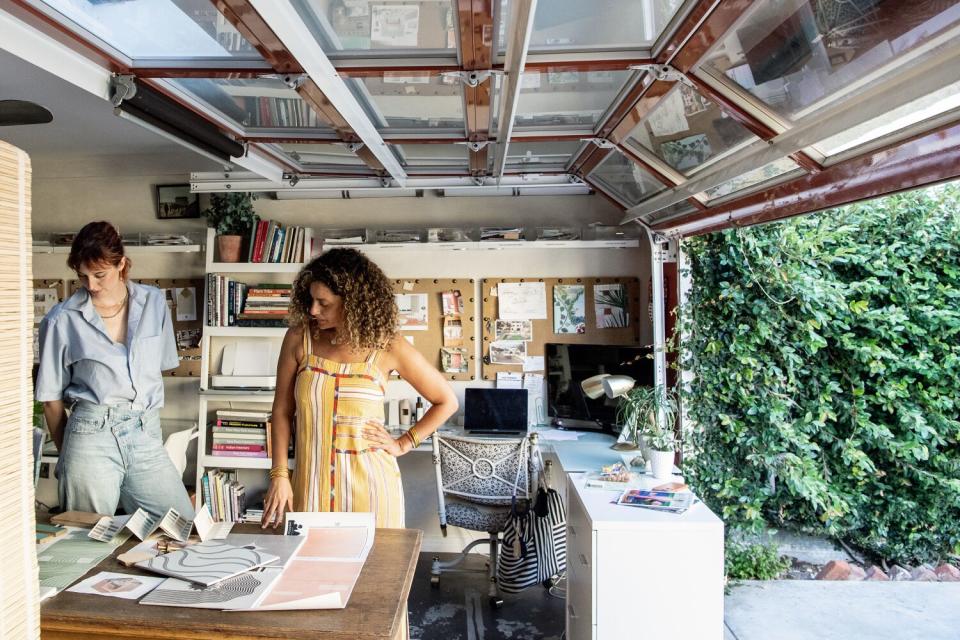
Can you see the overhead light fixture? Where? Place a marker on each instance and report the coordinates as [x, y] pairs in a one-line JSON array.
[[146, 106], [347, 194], [492, 191]]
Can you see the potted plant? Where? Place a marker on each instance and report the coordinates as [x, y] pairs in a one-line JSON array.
[[232, 215], [648, 416]]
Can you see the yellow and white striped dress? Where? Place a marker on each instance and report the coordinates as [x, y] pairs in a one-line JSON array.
[[335, 468]]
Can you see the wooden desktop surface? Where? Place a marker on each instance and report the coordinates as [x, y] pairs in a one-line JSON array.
[[376, 608]]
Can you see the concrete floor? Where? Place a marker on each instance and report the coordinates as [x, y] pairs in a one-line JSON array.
[[819, 610]]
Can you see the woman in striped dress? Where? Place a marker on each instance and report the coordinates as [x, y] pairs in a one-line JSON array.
[[333, 367]]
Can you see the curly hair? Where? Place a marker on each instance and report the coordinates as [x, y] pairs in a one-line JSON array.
[[369, 309]]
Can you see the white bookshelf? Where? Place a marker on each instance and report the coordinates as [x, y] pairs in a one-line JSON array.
[[250, 470]]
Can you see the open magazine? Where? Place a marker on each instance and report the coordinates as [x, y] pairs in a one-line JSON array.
[[672, 501]]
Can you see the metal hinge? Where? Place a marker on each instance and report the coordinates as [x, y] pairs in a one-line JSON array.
[[471, 78], [295, 81], [603, 143], [122, 87], [663, 72]]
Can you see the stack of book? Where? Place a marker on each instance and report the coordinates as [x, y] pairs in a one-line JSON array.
[[272, 242], [224, 300], [265, 305], [241, 434], [224, 494]]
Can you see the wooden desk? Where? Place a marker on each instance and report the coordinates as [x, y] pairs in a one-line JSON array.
[[377, 607]]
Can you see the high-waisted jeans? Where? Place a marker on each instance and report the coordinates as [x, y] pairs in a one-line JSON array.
[[113, 454]]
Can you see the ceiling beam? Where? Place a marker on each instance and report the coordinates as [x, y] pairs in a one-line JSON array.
[[519, 30], [475, 21], [280, 35], [921, 161]]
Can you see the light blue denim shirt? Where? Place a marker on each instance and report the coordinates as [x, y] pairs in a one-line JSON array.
[[79, 361]]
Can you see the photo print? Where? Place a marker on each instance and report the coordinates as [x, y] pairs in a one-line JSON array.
[[512, 330], [569, 308], [610, 304], [508, 352]]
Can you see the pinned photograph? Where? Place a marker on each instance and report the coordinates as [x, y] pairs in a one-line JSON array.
[[569, 308], [452, 332], [452, 303], [610, 303], [186, 300], [454, 360], [412, 311], [512, 330], [508, 352]]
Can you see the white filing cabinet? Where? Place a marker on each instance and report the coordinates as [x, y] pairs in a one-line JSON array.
[[638, 573]]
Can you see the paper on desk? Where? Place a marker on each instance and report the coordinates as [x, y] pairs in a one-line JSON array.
[[324, 571], [509, 380], [64, 561], [117, 585]]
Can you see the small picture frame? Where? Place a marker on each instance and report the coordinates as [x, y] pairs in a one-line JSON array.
[[176, 201]]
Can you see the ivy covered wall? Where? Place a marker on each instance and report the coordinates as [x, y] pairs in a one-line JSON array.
[[826, 358]]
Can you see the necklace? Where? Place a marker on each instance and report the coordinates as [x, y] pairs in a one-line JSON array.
[[123, 303]]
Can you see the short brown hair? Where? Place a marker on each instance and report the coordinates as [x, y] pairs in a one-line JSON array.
[[97, 243], [369, 309]]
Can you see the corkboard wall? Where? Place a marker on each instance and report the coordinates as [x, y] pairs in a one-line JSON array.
[[543, 329], [429, 342], [189, 357]]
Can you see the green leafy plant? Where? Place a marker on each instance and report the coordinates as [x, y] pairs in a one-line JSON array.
[[651, 412], [37, 414], [825, 361], [745, 561], [231, 213]]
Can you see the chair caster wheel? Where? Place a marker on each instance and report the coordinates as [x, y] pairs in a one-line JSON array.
[[495, 602], [434, 582]]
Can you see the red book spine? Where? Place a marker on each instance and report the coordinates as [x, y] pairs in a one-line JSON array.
[[258, 248], [240, 447]]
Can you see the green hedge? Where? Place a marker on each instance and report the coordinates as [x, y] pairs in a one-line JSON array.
[[826, 356]]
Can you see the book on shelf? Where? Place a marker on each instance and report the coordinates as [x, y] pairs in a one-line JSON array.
[[273, 242], [223, 495], [256, 416]]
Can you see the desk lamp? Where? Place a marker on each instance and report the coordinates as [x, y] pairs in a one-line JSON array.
[[613, 386]]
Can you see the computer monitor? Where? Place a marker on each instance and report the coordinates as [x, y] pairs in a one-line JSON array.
[[570, 364], [495, 411]]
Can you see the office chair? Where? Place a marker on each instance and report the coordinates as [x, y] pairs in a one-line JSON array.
[[477, 480]]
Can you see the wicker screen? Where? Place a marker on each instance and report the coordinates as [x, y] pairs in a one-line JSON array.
[[19, 606]]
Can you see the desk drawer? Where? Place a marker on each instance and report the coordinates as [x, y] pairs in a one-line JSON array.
[[581, 590], [579, 532]]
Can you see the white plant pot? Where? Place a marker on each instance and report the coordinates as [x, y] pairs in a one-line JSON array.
[[661, 464]]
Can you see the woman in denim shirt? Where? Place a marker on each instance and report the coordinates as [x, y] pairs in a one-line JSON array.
[[101, 355]]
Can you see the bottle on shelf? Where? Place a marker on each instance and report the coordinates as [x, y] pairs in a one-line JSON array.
[[419, 410], [405, 412]]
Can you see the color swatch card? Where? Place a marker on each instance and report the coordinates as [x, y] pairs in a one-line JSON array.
[[325, 569], [208, 563]]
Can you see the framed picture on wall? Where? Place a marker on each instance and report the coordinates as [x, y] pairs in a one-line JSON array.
[[176, 201]]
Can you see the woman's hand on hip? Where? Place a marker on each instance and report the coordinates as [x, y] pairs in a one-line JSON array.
[[278, 501], [380, 439]]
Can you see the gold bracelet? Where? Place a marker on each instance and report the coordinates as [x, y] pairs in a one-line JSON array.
[[279, 472], [413, 437]]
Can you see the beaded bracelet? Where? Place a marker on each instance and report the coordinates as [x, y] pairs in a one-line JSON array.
[[279, 472]]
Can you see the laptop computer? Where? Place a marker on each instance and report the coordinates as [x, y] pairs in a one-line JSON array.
[[495, 411]]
